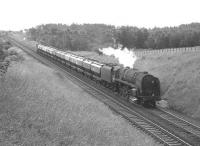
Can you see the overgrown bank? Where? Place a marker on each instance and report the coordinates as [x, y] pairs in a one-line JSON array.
[[40, 107], [180, 79], [4, 45]]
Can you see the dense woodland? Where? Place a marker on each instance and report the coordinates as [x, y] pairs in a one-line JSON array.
[[93, 36]]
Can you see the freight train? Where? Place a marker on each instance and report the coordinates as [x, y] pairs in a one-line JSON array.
[[133, 85]]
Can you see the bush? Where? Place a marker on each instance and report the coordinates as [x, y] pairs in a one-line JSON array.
[[14, 54]]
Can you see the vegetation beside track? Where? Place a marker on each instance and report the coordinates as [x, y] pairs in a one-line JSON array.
[[4, 45], [40, 107], [180, 79]]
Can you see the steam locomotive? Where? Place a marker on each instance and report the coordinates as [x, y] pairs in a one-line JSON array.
[[132, 84]]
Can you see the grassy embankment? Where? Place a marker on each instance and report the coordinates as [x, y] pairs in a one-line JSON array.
[[40, 107], [180, 79]]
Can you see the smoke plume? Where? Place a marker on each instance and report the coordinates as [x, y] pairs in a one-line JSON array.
[[125, 57]]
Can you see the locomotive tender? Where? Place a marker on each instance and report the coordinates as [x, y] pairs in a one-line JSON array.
[[131, 84]]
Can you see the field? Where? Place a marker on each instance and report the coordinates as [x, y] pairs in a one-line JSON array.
[[40, 107]]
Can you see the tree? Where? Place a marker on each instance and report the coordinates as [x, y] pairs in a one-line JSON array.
[[95, 36]]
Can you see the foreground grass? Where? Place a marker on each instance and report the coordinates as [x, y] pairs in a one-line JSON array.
[[38, 106]]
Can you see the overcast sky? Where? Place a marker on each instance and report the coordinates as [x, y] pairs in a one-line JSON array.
[[21, 14]]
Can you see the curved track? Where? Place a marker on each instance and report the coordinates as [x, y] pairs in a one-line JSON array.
[[145, 123], [190, 127], [187, 129]]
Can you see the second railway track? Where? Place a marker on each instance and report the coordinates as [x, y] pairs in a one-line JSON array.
[[190, 127], [160, 133]]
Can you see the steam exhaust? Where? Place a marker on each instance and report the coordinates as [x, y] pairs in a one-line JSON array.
[[125, 57]]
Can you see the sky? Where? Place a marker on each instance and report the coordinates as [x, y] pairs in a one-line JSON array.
[[24, 14]]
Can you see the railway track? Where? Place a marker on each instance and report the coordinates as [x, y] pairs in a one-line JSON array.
[[162, 135], [190, 127]]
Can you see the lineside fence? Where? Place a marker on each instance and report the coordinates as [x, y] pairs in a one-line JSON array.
[[166, 51]]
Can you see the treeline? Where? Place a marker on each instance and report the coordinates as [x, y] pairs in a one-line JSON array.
[[94, 36], [74, 37]]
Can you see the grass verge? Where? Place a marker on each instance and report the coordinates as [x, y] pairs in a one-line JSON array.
[[38, 106]]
